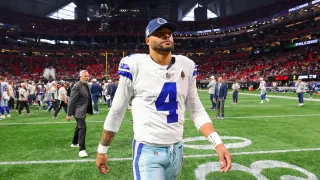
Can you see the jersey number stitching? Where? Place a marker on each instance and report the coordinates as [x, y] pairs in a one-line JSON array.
[[168, 89], [4, 88]]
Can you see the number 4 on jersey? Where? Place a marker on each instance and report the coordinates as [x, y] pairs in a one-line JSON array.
[[168, 89]]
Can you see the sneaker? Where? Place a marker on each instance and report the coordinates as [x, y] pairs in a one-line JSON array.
[[54, 117], [48, 112], [217, 117], [19, 114], [8, 115], [222, 118], [261, 102], [301, 104], [268, 100], [2, 117], [83, 154], [211, 109], [74, 145], [30, 114]]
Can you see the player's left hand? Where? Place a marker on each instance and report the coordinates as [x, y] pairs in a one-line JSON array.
[[224, 157], [68, 118], [102, 163]]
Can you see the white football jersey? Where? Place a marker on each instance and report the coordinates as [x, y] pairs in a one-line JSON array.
[[4, 90], [159, 96], [262, 85], [42, 89]]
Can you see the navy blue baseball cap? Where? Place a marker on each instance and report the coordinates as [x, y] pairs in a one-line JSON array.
[[157, 23]]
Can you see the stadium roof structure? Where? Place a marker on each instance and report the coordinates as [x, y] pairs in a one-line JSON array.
[[134, 8]]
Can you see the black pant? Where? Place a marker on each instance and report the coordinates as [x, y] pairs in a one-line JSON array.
[[11, 103], [61, 104], [17, 105], [80, 133], [23, 104], [54, 105], [311, 92]]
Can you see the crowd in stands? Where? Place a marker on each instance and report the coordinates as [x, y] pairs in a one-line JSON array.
[[302, 60]]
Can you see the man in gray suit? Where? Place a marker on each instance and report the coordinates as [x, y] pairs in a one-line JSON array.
[[220, 95], [79, 105]]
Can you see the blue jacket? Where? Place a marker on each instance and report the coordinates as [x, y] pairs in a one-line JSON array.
[[95, 89], [223, 91], [114, 88]]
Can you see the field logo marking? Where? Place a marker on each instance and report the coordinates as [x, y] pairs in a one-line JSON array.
[[255, 169], [245, 143]]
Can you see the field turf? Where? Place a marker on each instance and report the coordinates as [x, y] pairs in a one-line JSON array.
[[267, 141]]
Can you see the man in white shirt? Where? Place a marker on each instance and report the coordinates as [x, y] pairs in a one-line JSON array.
[[160, 86], [212, 86], [62, 101], [32, 89], [23, 99], [235, 89], [300, 90], [54, 96]]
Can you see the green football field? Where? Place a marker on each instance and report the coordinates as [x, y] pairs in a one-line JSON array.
[[267, 141]]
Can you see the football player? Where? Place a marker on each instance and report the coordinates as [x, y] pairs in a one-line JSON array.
[[263, 92], [160, 86], [5, 98]]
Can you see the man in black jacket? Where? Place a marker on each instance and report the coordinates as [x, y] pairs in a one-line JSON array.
[[78, 106]]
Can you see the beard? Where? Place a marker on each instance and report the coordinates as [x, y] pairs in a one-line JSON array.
[[160, 48], [84, 81]]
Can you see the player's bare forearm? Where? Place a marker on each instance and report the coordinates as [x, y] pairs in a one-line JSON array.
[[107, 137], [207, 129]]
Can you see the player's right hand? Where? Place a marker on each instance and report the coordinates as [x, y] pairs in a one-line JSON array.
[[102, 163]]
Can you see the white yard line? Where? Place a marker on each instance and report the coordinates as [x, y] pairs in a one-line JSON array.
[[273, 96], [236, 117], [280, 97], [279, 116], [39, 123], [129, 159]]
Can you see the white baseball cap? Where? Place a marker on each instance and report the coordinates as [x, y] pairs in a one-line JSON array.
[[94, 80], [212, 77]]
